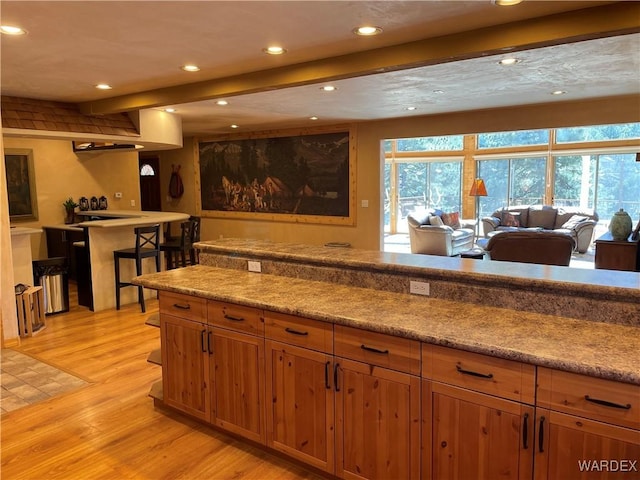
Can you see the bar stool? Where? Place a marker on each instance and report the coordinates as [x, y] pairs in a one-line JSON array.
[[180, 246], [147, 246], [195, 237]]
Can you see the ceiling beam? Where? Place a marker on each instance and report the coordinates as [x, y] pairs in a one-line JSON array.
[[597, 22]]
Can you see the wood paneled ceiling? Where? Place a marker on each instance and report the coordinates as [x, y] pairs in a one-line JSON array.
[[436, 56]]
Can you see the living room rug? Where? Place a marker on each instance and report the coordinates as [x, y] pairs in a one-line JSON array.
[[25, 380]]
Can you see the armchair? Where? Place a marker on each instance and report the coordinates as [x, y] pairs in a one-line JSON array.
[[436, 239]]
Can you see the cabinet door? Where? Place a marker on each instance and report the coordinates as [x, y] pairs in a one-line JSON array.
[[574, 448], [238, 384], [185, 366], [473, 435], [377, 419], [300, 415]]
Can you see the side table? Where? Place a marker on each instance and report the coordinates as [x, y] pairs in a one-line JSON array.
[[617, 254]]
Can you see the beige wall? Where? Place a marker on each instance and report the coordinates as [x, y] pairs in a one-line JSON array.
[[366, 233], [60, 174]]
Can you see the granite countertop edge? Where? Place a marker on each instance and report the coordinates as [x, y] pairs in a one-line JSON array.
[[580, 346]]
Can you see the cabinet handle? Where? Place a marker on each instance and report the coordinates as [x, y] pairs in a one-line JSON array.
[[295, 332], [326, 375], [182, 306], [472, 373], [606, 403], [525, 431], [209, 343], [202, 335], [541, 436], [233, 319], [335, 376], [374, 350]]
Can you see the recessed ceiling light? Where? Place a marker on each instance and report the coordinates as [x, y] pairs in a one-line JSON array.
[[411, 109], [328, 88], [170, 110], [234, 126], [558, 92], [313, 118], [438, 91], [103, 86], [509, 61], [274, 50], [190, 68], [11, 30], [367, 31], [506, 3], [222, 102]]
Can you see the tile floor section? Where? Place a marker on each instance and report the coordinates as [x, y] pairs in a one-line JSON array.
[[25, 380]]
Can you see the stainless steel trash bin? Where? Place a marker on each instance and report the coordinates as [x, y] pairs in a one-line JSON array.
[[52, 275]]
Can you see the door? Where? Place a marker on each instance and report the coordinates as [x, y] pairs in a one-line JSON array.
[[238, 383], [575, 448], [300, 414], [150, 196], [185, 366], [377, 422], [473, 435]]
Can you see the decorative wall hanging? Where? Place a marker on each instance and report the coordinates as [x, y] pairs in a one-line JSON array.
[[305, 178], [176, 187], [21, 184]]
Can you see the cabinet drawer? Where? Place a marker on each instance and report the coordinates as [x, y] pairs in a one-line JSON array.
[[495, 376], [303, 332], [401, 354], [236, 317], [605, 400], [183, 306]]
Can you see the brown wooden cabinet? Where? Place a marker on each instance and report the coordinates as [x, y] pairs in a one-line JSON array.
[[377, 405], [586, 427], [478, 416], [617, 254]]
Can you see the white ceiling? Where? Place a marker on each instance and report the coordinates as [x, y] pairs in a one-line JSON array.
[[138, 46]]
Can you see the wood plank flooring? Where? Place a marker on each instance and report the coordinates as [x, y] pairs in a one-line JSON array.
[[110, 429]]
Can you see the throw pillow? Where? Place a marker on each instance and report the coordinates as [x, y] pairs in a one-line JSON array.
[[510, 219], [436, 221], [574, 221], [542, 216], [451, 219]]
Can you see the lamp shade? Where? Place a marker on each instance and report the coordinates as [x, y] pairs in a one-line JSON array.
[[478, 188]]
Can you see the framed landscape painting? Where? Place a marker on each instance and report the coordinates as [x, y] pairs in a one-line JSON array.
[[21, 184], [300, 178]]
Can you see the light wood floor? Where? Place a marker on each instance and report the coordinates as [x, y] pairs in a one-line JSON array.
[[110, 429]]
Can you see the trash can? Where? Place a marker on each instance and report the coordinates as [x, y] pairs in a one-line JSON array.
[[52, 275]]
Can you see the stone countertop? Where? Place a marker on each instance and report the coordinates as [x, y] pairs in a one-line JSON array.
[[24, 230], [615, 284], [597, 349], [125, 218]]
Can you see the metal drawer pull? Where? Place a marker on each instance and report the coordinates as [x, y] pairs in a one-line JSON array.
[[525, 431], [295, 332], [607, 404], [209, 343], [374, 350], [541, 436], [202, 335], [182, 306], [474, 374], [326, 375], [335, 376], [233, 319]]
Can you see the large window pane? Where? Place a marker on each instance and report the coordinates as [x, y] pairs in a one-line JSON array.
[[574, 184], [430, 144], [598, 133], [618, 186], [513, 139], [387, 197], [495, 174]]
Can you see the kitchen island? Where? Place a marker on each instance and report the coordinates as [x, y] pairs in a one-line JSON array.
[[112, 231], [326, 356]]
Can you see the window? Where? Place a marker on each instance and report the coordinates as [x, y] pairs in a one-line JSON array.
[[147, 171], [430, 144], [518, 138], [598, 133]]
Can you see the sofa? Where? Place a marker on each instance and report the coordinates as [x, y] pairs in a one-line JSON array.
[[542, 247], [430, 235], [573, 221]]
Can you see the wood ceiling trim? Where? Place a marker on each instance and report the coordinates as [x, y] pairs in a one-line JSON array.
[[587, 24]]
